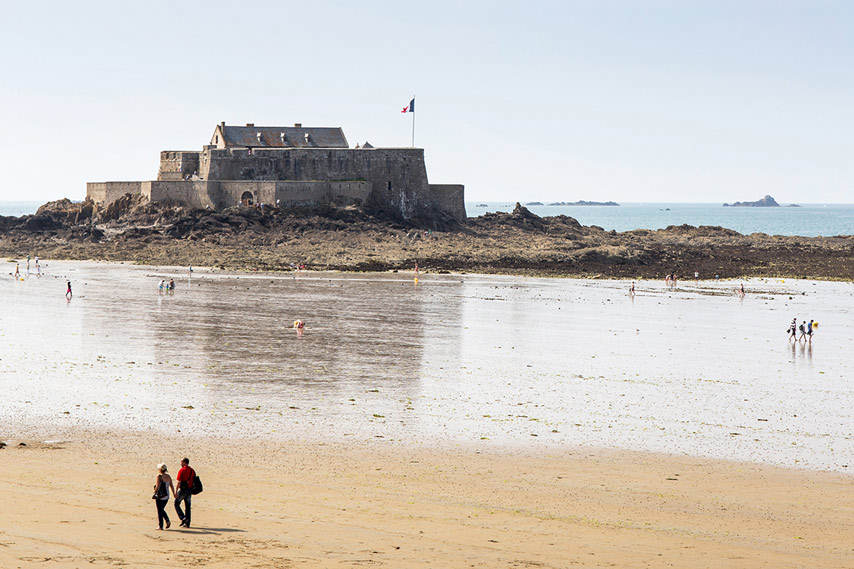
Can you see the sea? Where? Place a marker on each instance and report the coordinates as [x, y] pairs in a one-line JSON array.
[[807, 220]]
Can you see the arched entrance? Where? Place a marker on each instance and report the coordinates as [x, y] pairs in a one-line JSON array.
[[246, 199]]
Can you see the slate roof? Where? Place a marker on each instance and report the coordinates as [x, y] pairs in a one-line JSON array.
[[271, 137]]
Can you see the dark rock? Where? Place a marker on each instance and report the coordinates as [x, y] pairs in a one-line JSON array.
[[767, 201]]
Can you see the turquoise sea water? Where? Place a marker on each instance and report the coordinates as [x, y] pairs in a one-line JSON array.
[[18, 209], [809, 220]]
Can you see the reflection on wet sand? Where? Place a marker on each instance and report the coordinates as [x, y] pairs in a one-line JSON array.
[[472, 360]]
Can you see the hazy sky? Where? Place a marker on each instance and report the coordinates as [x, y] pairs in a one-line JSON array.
[[599, 100]]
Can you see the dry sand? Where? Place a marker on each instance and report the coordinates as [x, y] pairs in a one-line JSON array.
[[265, 504]]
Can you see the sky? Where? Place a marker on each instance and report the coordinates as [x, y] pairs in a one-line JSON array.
[[654, 101]]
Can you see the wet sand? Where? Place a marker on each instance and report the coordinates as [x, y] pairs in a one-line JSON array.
[[465, 421], [269, 504], [456, 361]]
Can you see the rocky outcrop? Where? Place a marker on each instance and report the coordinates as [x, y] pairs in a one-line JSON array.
[[347, 238], [767, 201]]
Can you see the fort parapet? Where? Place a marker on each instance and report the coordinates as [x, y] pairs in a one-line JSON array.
[[294, 166]]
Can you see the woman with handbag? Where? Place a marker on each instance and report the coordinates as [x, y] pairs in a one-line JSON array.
[[161, 494]]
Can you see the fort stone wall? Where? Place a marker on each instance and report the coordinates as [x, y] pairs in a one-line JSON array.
[[449, 199], [388, 180], [398, 176], [177, 164], [108, 192]]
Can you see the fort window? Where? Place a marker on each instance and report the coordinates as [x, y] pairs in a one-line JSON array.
[[246, 198]]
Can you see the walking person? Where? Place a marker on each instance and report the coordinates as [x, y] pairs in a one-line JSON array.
[[793, 329], [68, 293], [162, 486], [809, 331], [803, 331], [186, 478]]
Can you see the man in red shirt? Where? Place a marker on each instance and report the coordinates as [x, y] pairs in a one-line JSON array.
[[186, 478]]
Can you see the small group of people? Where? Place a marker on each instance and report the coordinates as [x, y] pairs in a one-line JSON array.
[[168, 287], [183, 493], [806, 330], [18, 276], [670, 280]]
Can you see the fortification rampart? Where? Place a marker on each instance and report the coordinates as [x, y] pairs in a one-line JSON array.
[[389, 180], [219, 194]]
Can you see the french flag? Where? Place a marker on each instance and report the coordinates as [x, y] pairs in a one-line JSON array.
[[410, 108]]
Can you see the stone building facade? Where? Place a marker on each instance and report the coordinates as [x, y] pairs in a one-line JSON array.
[[294, 166]]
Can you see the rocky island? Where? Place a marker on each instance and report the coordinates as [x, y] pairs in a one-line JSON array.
[[767, 201], [351, 239]]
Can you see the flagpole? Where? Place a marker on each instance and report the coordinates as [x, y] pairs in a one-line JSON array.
[[413, 125]]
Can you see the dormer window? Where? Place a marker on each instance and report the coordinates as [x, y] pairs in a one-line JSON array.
[[283, 137], [259, 137], [307, 137]]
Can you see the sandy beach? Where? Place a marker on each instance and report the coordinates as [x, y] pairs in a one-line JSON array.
[[87, 503], [424, 425]]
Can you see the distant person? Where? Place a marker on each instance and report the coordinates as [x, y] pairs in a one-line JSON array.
[[160, 286], [809, 330], [632, 289], [68, 293], [162, 486], [803, 331], [17, 271], [696, 276], [38, 267], [186, 478], [171, 286], [741, 290], [793, 329]]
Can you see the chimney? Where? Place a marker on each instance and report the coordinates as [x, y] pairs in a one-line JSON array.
[[250, 124], [222, 123], [297, 125]]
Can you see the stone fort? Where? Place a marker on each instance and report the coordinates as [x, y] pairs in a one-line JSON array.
[[292, 166]]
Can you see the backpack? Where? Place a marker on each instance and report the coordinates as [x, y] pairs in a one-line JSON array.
[[197, 486]]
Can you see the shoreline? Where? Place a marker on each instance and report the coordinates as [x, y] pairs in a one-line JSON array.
[[312, 505], [328, 238]]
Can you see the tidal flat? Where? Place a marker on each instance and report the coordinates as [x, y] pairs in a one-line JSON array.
[[452, 361]]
